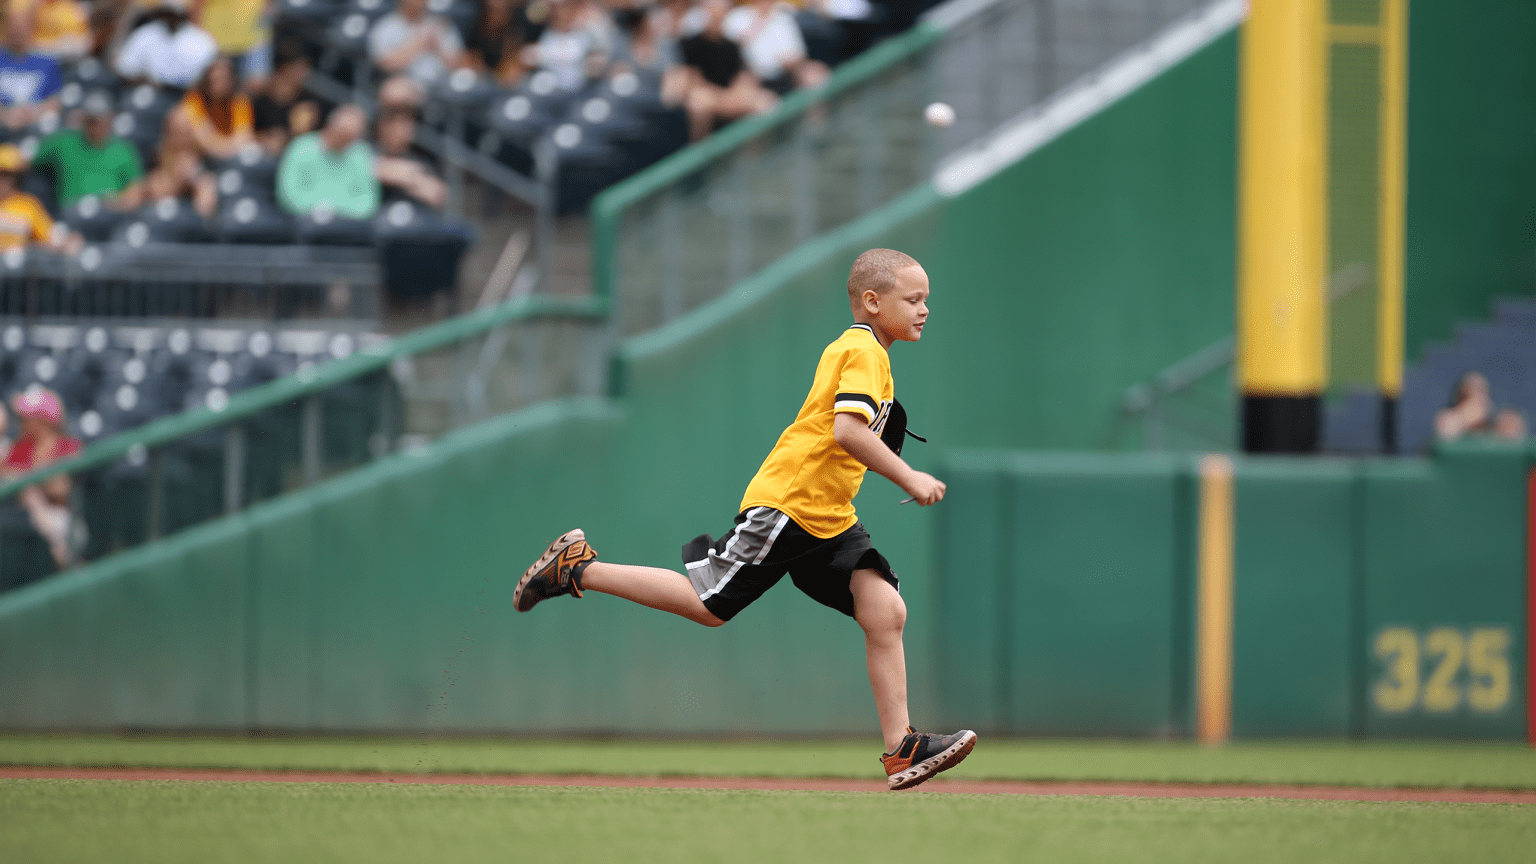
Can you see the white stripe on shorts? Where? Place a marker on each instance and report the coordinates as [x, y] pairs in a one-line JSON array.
[[703, 574]]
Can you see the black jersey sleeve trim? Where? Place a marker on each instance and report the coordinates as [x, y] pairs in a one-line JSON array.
[[858, 401]]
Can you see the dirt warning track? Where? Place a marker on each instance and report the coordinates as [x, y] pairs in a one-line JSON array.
[[943, 785]]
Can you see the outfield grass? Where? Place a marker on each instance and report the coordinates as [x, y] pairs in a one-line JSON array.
[[1364, 764], [128, 822]]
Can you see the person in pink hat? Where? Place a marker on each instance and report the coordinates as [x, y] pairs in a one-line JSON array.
[[43, 441]]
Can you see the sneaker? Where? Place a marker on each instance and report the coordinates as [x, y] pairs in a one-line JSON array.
[[922, 755], [557, 572]]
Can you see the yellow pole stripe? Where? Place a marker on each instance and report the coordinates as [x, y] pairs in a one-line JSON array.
[[1213, 658], [1354, 34], [1392, 196], [1282, 214]]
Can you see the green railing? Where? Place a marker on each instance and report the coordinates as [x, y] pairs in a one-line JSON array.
[[201, 464]]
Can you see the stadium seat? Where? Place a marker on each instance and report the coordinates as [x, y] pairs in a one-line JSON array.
[[168, 220], [611, 122], [258, 173], [325, 228], [586, 166], [94, 221], [249, 219], [91, 74], [349, 31], [419, 251], [311, 12]]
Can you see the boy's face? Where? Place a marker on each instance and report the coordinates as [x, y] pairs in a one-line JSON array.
[[901, 311]]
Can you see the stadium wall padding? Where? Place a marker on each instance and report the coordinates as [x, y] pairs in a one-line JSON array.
[[1372, 598]]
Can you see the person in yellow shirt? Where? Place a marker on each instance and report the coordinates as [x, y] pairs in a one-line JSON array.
[[243, 30], [797, 516], [23, 219], [221, 116], [60, 29]]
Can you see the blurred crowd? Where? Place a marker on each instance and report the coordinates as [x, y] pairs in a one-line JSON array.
[[132, 102], [225, 92]]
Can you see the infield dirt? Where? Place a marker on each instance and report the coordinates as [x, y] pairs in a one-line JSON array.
[[988, 787]]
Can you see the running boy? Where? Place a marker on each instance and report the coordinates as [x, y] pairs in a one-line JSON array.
[[797, 517]]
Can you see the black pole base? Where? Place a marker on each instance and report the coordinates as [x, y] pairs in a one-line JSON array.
[[1388, 424], [1282, 424]]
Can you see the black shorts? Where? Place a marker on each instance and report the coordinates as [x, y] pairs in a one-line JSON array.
[[735, 570]]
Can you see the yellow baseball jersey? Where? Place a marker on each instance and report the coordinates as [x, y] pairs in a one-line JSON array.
[[809, 475], [23, 219]]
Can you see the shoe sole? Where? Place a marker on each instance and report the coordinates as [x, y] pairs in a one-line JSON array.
[[555, 548], [926, 769]]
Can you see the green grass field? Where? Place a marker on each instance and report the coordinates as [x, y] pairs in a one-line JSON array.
[[126, 822], [173, 821]]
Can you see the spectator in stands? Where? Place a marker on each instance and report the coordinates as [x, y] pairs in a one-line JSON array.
[[572, 46], [1470, 411], [42, 443], [330, 169], [106, 20], [410, 41], [91, 160], [29, 82], [283, 110], [401, 94], [23, 219], [241, 31], [644, 49], [773, 46], [679, 19], [495, 45], [1471, 414], [219, 114], [722, 88], [179, 171], [1509, 425], [60, 29], [167, 49], [402, 171]]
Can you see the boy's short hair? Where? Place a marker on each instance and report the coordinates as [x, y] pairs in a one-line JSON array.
[[876, 270]]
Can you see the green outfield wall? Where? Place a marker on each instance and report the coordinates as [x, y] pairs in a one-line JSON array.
[[1371, 598]]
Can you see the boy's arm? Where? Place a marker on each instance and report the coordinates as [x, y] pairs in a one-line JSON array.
[[854, 435]]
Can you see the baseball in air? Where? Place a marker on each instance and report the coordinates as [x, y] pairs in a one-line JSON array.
[[939, 114]]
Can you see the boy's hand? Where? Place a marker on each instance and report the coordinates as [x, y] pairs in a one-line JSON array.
[[924, 488], [855, 436]]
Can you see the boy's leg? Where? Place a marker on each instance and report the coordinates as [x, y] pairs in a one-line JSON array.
[[880, 610], [666, 590]]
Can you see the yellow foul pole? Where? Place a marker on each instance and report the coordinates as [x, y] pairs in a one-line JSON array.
[[1282, 302], [1391, 209]]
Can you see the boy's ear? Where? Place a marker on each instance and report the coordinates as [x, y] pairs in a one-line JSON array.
[[871, 300]]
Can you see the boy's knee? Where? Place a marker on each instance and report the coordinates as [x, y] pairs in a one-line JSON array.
[[885, 614]]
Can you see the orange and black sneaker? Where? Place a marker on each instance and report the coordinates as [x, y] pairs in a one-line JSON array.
[[922, 755], [558, 571]]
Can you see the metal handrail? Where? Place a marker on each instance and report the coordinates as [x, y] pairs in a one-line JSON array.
[[295, 387]]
